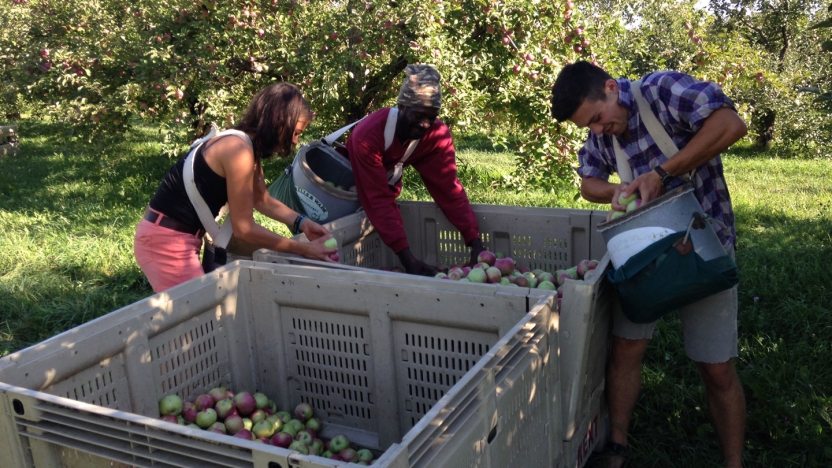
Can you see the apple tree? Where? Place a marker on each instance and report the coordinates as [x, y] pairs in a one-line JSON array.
[[781, 47], [823, 81], [184, 63]]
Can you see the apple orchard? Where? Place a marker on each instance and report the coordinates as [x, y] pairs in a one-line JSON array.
[[181, 64]]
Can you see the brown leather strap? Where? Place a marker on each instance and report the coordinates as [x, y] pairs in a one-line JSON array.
[[170, 223]]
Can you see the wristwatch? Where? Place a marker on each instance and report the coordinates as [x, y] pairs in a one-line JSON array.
[[666, 178]]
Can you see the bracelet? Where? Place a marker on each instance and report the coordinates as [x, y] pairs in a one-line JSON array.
[[299, 222]]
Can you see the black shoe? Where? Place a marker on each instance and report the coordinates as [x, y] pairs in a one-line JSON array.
[[613, 456]]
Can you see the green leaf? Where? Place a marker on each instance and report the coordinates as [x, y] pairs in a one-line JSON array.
[[826, 46], [823, 24]]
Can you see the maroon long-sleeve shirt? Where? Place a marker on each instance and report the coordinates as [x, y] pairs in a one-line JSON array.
[[435, 160]]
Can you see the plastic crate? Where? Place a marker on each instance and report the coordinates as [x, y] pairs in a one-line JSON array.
[[430, 375], [546, 238], [592, 432]]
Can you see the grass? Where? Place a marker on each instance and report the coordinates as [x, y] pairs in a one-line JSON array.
[[68, 211]]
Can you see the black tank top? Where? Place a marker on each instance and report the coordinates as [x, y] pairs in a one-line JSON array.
[[172, 199]]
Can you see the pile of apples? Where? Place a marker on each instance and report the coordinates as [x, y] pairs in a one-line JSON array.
[[498, 269], [255, 417]]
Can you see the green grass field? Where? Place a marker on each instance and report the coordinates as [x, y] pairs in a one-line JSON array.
[[68, 212]]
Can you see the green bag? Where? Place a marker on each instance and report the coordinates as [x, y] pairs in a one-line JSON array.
[[667, 275], [283, 189]]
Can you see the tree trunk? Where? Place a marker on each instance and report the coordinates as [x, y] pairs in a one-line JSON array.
[[762, 121]]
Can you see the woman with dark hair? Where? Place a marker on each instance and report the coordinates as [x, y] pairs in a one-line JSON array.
[[228, 169]]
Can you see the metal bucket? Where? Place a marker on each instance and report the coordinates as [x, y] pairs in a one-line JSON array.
[[315, 165], [672, 212]]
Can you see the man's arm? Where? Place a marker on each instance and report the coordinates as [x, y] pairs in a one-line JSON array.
[[439, 173], [719, 131]]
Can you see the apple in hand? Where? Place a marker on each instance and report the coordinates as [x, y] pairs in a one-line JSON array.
[[624, 201]]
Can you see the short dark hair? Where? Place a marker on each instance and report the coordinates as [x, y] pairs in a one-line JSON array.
[[271, 119], [575, 84]]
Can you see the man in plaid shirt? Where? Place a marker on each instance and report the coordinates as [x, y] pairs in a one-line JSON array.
[[702, 122]]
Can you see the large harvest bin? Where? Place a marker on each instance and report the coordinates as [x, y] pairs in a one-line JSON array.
[[545, 238], [427, 375]]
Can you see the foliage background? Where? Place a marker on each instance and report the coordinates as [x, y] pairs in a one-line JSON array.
[[105, 65]]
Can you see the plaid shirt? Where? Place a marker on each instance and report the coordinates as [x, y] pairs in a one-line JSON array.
[[682, 104]]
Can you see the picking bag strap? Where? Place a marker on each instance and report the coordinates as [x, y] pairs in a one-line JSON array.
[[651, 122], [220, 235], [625, 172], [654, 127], [393, 175], [330, 139]]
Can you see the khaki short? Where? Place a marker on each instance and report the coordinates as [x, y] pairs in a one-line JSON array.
[[709, 326]]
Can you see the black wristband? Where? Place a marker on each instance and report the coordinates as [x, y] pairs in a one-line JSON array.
[[299, 222], [666, 178]]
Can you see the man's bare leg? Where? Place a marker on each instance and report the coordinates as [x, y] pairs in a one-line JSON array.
[[623, 388], [726, 405]]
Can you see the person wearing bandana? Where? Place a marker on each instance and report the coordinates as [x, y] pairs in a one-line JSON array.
[[422, 141]]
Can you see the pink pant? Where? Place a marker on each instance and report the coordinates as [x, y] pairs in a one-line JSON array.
[[167, 257]]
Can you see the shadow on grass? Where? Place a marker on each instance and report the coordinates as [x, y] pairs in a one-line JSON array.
[[785, 340], [81, 180]]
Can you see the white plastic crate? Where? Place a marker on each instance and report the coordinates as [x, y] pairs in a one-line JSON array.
[[591, 434], [430, 376], [545, 238]]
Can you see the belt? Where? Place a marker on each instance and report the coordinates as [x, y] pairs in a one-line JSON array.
[[170, 223]]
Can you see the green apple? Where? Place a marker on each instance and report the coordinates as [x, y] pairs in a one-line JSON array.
[[331, 243], [623, 201]]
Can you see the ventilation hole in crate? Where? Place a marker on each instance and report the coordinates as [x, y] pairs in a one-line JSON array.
[[189, 360], [435, 364], [331, 362], [18, 407]]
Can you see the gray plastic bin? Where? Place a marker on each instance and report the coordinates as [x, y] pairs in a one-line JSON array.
[[546, 238], [430, 376]]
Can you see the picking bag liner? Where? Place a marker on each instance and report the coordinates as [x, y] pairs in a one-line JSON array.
[[283, 189], [669, 274]]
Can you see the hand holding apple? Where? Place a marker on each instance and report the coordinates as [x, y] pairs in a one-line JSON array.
[[648, 185], [313, 230]]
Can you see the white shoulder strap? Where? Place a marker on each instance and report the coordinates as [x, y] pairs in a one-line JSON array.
[[390, 127], [395, 174], [329, 139], [654, 128], [625, 173], [651, 122], [220, 235]]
